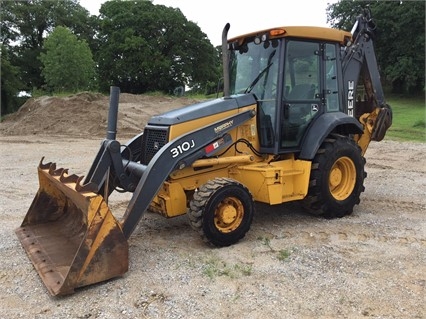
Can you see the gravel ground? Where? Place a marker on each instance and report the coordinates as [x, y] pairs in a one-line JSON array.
[[371, 264]]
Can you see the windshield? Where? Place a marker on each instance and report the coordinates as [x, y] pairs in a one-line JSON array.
[[254, 69]]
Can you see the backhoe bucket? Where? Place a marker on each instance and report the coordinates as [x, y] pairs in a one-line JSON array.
[[70, 234]]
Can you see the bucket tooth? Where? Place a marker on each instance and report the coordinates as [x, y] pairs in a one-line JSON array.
[[68, 178], [52, 168], [44, 166], [59, 172]]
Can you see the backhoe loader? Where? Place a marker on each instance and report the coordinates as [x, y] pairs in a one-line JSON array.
[[300, 106]]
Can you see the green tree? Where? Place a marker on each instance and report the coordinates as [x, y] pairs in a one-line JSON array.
[[400, 41], [146, 47], [68, 64], [26, 24], [10, 83]]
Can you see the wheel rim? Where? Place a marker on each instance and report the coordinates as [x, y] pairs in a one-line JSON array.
[[342, 178], [229, 214]]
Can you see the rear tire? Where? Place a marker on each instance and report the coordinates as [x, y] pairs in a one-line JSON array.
[[221, 211], [337, 178]]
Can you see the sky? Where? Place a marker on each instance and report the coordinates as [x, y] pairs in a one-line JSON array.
[[244, 16]]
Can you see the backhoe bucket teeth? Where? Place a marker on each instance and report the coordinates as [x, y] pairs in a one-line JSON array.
[[70, 234]]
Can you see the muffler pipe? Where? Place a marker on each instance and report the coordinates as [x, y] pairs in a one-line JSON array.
[[225, 61], [113, 112]]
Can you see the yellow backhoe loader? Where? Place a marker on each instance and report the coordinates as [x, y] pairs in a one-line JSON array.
[[300, 106]]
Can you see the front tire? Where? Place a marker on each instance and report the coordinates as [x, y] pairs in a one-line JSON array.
[[337, 178], [221, 211]]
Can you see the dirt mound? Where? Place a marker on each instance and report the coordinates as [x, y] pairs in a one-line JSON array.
[[85, 114]]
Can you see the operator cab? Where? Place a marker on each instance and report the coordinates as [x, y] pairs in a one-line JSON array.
[[294, 80]]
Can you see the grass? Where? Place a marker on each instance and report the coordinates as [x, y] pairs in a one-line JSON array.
[[409, 116], [214, 267], [283, 254], [265, 241]]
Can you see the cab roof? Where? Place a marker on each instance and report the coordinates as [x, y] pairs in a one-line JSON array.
[[306, 32]]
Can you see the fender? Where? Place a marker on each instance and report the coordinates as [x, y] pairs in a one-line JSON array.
[[323, 126]]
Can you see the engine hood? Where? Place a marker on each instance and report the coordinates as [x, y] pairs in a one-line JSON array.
[[203, 109]]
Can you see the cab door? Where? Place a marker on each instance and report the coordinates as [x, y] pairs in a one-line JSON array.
[[301, 98]]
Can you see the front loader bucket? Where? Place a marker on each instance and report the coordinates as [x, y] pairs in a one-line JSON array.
[[70, 234]]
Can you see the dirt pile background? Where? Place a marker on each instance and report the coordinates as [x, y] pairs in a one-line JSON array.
[[85, 114]]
